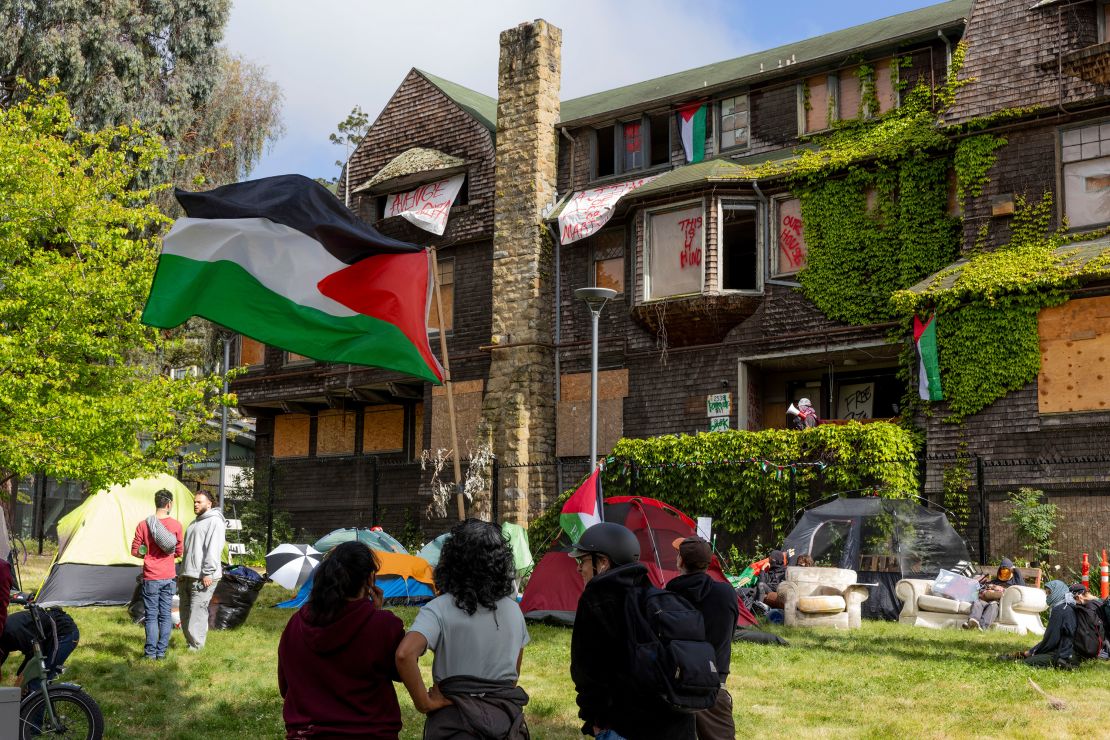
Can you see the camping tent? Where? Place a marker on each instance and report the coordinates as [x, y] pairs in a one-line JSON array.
[[94, 564], [883, 540], [375, 539], [553, 590], [513, 532], [402, 578]]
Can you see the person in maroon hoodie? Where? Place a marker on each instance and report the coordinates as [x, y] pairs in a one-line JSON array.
[[335, 657]]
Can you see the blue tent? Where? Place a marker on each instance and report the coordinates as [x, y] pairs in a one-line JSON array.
[[397, 590]]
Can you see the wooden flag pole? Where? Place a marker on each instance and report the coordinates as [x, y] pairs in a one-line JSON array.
[[447, 386]]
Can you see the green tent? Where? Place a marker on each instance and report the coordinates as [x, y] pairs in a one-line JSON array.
[[514, 533], [94, 564]]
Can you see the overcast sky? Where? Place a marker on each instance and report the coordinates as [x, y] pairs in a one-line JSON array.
[[331, 55]]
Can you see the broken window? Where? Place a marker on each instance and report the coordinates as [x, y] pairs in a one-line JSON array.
[[446, 295], [739, 253], [659, 136], [734, 122], [1085, 153], [604, 159], [608, 247]]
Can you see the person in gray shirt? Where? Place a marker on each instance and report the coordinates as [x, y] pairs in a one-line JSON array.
[[200, 567], [477, 633]]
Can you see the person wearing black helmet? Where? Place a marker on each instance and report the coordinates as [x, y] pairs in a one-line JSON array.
[[609, 704]]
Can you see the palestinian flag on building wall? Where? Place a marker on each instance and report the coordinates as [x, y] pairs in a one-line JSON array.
[[691, 128], [282, 261], [581, 511], [928, 371]]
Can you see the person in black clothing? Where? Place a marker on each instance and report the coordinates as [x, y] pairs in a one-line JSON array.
[[62, 636], [717, 603], [771, 577], [1055, 649], [609, 702]]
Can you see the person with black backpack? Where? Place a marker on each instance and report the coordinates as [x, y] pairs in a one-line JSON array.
[[1090, 629], [1057, 648], [638, 655], [718, 605]]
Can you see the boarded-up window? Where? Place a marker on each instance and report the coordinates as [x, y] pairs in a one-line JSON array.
[[335, 432], [816, 103], [468, 415], [609, 260], [291, 435], [848, 94], [251, 352], [1085, 153], [676, 246], [734, 122], [885, 89], [790, 237], [1075, 356], [292, 358], [572, 435], [383, 429], [447, 297]]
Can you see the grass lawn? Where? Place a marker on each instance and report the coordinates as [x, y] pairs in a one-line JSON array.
[[885, 680]]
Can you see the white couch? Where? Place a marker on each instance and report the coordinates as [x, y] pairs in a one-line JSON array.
[[821, 597], [1018, 611]]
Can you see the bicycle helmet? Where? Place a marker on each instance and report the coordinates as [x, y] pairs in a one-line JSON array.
[[615, 541]]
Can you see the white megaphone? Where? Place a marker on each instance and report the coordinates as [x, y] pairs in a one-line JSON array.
[[793, 410]]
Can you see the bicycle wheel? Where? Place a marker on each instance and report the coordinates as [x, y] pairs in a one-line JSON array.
[[76, 715]]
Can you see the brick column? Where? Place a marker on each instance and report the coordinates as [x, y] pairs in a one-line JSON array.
[[518, 415]]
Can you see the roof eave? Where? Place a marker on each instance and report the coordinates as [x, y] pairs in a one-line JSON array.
[[925, 34]]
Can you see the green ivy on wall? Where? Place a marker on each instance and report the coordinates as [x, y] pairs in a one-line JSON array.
[[712, 474]]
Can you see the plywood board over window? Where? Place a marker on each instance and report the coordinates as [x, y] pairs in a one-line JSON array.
[[468, 415], [291, 435], [885, 89], [676, 248], [251, 352], [816, 103], [1075, 356], [790, 251], [447, 297], [572, 428], [383, 429], [335, 432], [848, 94]]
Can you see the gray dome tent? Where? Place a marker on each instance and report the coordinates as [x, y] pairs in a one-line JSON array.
[[883, 540]]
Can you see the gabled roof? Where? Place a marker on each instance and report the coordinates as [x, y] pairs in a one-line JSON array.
[[482, 107], [767, 64], [412, 167]]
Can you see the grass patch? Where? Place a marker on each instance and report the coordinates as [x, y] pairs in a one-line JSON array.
[[885, 680]]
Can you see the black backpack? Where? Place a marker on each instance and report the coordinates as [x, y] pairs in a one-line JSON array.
[[671, 658], [1088, 631]]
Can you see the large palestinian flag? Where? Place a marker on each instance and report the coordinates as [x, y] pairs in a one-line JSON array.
[[282, 261]]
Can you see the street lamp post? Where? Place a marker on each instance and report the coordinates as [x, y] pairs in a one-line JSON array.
[[595, 299]]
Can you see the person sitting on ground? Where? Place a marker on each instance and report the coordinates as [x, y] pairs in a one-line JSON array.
[[335, 656], [719, 608], [770, 578], [477, 633], [1055, 648], [985, 609], [611, 702], [804, 561]]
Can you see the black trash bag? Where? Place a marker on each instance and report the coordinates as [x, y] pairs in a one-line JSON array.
[[232, 601], [136, 609]]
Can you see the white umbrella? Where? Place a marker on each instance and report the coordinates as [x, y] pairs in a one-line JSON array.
[[291, 565]]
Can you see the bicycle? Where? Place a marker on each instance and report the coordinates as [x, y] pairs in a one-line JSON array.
[[53, 709]]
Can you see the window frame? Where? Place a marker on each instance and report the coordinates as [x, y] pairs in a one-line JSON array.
[[741, 204], [288, 361], [646, 133], [1061, 165], [773, 248], [623, 257], [451, 329], [239, 353], [648, 213], [719, 133]]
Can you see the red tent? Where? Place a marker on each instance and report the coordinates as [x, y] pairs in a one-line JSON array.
[[554, 587]]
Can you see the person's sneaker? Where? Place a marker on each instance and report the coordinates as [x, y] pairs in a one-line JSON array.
[[973, 623]]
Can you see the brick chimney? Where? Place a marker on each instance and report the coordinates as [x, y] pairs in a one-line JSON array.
[[518, 414]]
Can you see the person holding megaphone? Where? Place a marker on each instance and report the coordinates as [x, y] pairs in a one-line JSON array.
[[801, 416]]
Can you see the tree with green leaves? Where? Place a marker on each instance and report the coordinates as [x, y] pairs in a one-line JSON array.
[[79, 397], [158, 63], [348, 134]]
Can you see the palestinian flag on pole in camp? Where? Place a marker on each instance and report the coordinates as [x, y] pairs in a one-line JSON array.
[[928, 371], [282, 261], [581, 511], [691, 127]]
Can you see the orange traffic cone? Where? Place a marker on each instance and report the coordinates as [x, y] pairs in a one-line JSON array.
[[1085, 571], [1104, 577]]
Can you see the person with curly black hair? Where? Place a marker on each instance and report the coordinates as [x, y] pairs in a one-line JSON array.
[[335, 658], [477, 633]]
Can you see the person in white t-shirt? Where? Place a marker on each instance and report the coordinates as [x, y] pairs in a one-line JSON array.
[[477, 633]]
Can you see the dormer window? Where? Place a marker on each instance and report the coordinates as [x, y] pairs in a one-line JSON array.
[[632, 146]]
